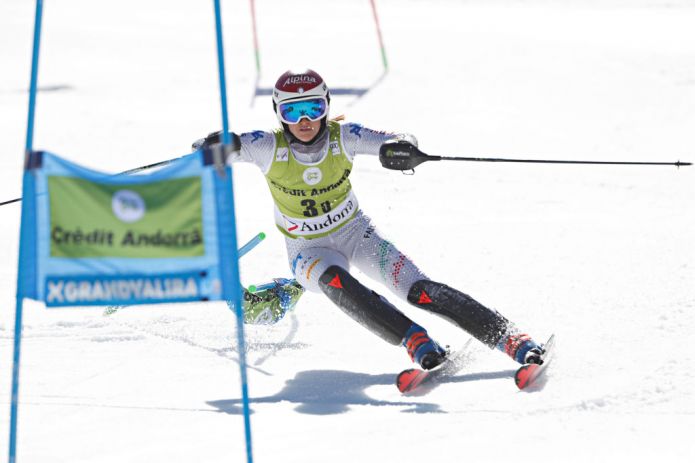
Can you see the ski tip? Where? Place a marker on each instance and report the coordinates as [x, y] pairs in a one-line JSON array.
[[525, 375], [532, 374], [252, 288], [408, 380], [261, 236]]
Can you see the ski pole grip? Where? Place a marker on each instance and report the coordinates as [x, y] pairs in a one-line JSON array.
[[401, 155]]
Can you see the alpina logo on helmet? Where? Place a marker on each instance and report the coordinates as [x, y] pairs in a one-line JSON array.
[[303, 79], [302, 94]]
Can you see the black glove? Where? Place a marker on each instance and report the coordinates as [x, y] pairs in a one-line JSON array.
[[402, 155], [215, 138]]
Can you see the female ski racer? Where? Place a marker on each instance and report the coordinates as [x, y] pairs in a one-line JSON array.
[[307, 165]]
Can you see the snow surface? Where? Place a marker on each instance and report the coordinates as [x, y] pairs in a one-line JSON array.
[[602, 256]]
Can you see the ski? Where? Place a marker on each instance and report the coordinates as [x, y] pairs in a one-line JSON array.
[[414, 380], [530, 375]]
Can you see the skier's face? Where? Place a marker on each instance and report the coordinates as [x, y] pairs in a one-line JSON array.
[[305, 130]]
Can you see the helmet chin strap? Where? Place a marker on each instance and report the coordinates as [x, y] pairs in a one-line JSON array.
[[292, 139]]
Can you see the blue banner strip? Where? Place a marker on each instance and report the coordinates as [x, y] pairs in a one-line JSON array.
[[123, 290]]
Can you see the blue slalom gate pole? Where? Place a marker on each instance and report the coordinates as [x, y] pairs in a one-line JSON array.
[[14, 405], [15, 381], [34, 75], [241, 344], [223, 78]]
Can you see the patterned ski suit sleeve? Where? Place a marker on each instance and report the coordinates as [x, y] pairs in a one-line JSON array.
[[358, 139], [257, 147]]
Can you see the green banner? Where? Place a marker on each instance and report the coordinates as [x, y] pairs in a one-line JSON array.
[[153, 220]]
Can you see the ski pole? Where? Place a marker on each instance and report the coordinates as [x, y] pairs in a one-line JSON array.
[[405, 156], [125, 172], [148, 166], [251, 244], [560, 161]]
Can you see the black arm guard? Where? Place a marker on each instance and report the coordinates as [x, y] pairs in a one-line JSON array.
[[401, 155]]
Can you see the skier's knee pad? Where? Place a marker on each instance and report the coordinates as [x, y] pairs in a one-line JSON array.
[[364, 305], [309, 264], [485, 324]]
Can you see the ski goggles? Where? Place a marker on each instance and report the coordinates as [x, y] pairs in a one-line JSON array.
[[292, 111]]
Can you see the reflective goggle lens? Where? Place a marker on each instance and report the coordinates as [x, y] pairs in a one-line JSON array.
[[293, 111]]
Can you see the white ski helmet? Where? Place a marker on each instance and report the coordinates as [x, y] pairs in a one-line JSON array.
[[300, 86]]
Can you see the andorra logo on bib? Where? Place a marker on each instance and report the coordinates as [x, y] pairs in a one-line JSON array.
[[312, 175], [128, 206]]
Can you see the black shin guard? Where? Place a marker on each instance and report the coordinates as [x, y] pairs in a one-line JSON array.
[[364, 305], [484, 324]]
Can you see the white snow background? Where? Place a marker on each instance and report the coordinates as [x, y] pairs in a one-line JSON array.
[[602, 256]]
